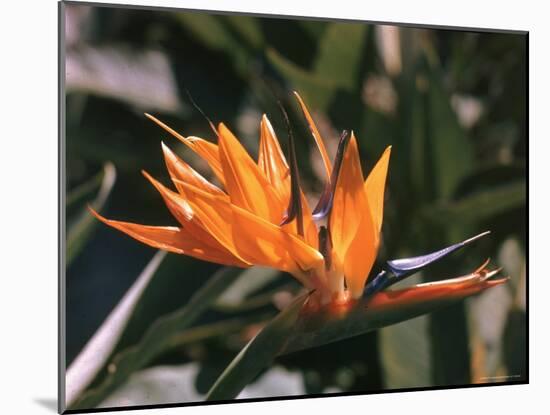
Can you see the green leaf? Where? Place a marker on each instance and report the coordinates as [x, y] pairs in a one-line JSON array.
[[248, 28], [257, 354], [451, 150], [515, 345], [218, 329], [208, 29], [480, 205], [83, 192], [249, 282], [213, 33], [417, 172], [260, 300], [94, 355], [405, 353], [81, 229], [340, 52], [312, 87], [157, 339], [315, 29]]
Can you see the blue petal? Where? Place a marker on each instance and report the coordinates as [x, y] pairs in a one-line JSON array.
[[408, 266], [399, 269], [378, 283]]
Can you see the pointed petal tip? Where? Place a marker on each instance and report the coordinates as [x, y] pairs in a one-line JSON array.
[[486, 275], [158, 185], [386, 156], [98, 216], [167, 152], [498, 281], [223, 132], [476, 237], [489, 283], [350, 138], [150, 178], [405, 267], [265, 123], [316, 135], [153, 118], [482, 266], [165, 149], [93, 212]]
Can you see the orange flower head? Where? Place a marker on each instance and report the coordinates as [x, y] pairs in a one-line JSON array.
[[260, 215]]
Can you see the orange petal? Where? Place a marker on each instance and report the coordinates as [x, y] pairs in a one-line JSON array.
[[244, 181], [316, 135], [256, 240], [183, 172], [272, 246], [177, 205], [349, 201], [374, 188], [172, 239], [211, 214], [207, 150], [193, 219], [272, 161], [351, 226], [360, 256]]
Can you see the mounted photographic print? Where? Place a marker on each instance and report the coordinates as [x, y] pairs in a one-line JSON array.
[[260, 207]]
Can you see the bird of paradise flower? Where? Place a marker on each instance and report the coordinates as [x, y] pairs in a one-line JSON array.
[[260, 216]]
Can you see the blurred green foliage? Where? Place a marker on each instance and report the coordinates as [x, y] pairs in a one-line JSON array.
[[452, 103]]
